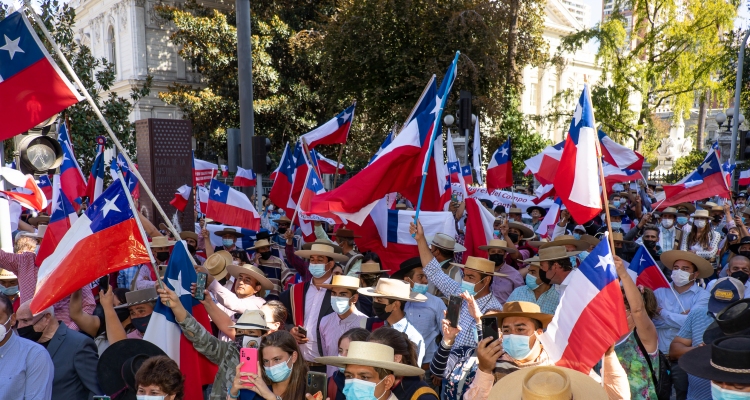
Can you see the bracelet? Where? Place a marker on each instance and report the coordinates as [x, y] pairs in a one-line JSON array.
[[229, 393]]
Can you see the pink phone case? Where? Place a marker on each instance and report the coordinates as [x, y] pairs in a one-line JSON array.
[[250, 359]]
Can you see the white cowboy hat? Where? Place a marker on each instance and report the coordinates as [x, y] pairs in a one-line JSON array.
[[446, 242], [252, 270], [161, 241], [343, 281], [482, 265], [393, 289], [547, 383], [497, 244], [374, 355], [319, 249], [251, 319]]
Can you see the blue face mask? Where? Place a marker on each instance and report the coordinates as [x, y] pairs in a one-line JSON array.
[[317, 270], [10, 291], [340, 304], [279, 372], [420, 288], [718, 393], [573, 261], [577, 236], [682, 220], [357, 389], [468, 287], [582, 255], [227, 242], [516, 346], [531, 282], [616, 225], [616, 203]]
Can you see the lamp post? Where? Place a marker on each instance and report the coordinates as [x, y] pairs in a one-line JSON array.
[[737, 87]]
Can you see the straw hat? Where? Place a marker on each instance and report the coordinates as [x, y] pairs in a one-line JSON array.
[[547, 383], [320, 249], [551, 253], [142, 296], [252, 270], [515, 210], [283, 218], [346, 234], [260, 243], [371, 267], [184, 235], [336, 248], [618, 237], [228, 231], [669, 211], [6, 275], [701, 214], [251, 319], [526, 232], [216, 264], [371, 354], [521, 309], [592, 241], [562, 240], [40, 231], [161, 241], [39, 219], [393, 289], [498, 244], [704, 267], [343, 281], [446, 242], [482, 265]]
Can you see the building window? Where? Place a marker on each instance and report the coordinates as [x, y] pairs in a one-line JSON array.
[[552, 91], [112, 50], [532, 95]]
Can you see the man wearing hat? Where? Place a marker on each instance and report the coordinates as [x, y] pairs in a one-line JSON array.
[[283, 224], [370, 370], [517, 235], [537, 214], [555, 265], [308, 302], [389, 303], [229, 238], [9, 287], [345, 240], [726, 292], [73, 354], [160, 247], [548, 383], [477, 280], [669, 235], [275, 269], [676, 302], [442, 247], [726, 363], [717, 221], [139, 303], [345, 316], [683, 213], [502, 286], [741, 201], [369, 274], [567, 225], [191, 238], [249, 287], [615, 216]]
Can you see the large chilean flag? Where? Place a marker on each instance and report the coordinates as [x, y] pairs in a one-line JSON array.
[[78, 260], [231, 207], [32, 87], [31, 196], [647, 272], [335, 131], [500, 169], [62, 218]]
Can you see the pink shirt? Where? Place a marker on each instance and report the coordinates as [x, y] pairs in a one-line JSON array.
[[332, 327], [313, 301]]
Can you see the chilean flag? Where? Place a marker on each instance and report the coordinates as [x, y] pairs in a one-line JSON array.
[[326, 165], [550, 219], [45, 185], [386, 232], [590, 316], [500, 170], [335, 131], [245, 178], [706, 181], [466, 173], [728, 171], [202, 199], [648, 273], [164, 331], [63, 216], [109, 223], [231, 207], [613, 174], [203, 171], [95, 185], [542, 192], [386, 143], [33, 87], [224, 171], [120, 164], [30, 195], [544, 165], [454, 166], [479, 229], [247, 239], [745, 178], [577, 178], [181, 197], [71, 177], [619, 155], [283, 182], [314, 187]]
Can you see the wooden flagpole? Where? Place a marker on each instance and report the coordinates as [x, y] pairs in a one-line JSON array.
[[309, 156], [338, 162], [302, 193], [414, 109]]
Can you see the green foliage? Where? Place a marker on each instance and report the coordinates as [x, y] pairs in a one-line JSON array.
[[685, 165], [728, 72]]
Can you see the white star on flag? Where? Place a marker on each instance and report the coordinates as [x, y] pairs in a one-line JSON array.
[[578, 113], [110, 206], [346, 116], [706, 166], [56, 206], [177, 285], [11, 46], [504, 151], [218, 192], [605, 261], [437, 105]]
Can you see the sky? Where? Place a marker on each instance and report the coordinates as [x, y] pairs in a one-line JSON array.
[[595, 7]]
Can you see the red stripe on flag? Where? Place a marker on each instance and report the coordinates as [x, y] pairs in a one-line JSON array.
[[652, 278], [197, 369]]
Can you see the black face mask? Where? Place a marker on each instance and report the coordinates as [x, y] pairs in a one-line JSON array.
[[122, 314], [379, 310], [717, 218], [650, 244], [513, 237], [162, 256], [192, 249], [745, 253], [282, 230], [731, 237], [498, 259], [141, 323], [543, 276], [265, 254], [28, 332], [620, 253], [740, 276]]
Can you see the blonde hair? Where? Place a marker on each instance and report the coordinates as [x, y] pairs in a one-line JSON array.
[[25, 243]]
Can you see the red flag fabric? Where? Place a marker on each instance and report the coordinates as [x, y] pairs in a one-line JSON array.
[[479, 229]]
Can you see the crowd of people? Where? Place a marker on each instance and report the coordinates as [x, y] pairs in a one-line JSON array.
[[375, 331]]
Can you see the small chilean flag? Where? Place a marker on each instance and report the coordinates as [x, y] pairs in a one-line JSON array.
[[202, 199], [745, 178], [466, 172], [500, 170], [33, 87], [224, 171], [71, 177], [335, 131], [63, 216], [31, 196], [181, 197], [231, 207], [46, 186], [245, 178], [648, 273], [203, 171], [479, 230], [95, 185]]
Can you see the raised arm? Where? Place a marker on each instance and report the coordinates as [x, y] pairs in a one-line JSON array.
[[115, 330], [87, 323], [643, 324]]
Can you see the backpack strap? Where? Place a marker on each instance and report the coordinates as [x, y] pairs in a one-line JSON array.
[[468, 365], [646, 356], [424, 390]]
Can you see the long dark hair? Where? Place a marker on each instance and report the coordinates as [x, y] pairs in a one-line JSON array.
[[398, 341], [704, 239], [297, 380]]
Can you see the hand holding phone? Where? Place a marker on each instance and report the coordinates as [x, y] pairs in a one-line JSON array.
[[249, 358], [317, 385], [200, 286], [454, 309], [489, 328], [302, 331], [104, 283]]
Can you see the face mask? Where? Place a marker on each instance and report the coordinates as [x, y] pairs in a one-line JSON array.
[[122, 314], [498, 259], [682, 220], [10, 291], [513, 237], [531, 282], [279, 372], [357, 389], [162, 256], [717, 393], [317, 270], [739, 275], [667, 223], [141, 323], [468, 287], [340, 304], [717, 218], [650, 244], [265, 255], [281, 230], [227, 242], [192, 249], [616, 225], [616, 203], [745, 253], [700, 223], [144, 397], [573, 261], [420, 288], [379, 310], [680, 277], [3, 330], [731, 237], [577, 236], [270, 208], [496, 233], [517, 346], [620, 253], [543, 277], [28, 332]]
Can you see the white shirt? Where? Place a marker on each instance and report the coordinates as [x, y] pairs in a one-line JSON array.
[[313, 300], [230, 303], [561, 287]]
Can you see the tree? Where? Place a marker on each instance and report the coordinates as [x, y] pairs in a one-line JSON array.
[[672, 54], [686, 165]]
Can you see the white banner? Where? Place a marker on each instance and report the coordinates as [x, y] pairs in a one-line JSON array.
[[505, 198]]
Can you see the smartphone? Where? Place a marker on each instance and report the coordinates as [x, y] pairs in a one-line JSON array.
[[302, 331], [102, 397], [454, 197], [454, 308], [249, 358], [104, 284], [317, 385], [200, 286], [489, 328]]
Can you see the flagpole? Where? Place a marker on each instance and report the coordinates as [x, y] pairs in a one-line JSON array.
[[414, 109], [302, 193], [120, 148], [338, 162], [603, 184], [309, 156]]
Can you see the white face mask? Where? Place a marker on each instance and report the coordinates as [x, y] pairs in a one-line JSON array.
[[700, 223], [680, 277], [3, 330], [144, 397], [667, 223]]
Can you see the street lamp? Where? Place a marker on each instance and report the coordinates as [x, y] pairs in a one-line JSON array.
[[448, 120]]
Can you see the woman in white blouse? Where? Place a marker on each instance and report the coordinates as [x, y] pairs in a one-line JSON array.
[[702, 240]]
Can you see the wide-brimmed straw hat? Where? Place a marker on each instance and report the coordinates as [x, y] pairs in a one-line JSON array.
[[217, 263], [498, 244], [336, 248], [161, 241], [260, 243], [252, 270], [6, 275], [551, 253], [591, 240], [283, 218], [482, 265], [515, 210], [371, 267], [321, 249], [562, 240], [701, 214], [547, 383], [526, 232], [618, 237], [521, 309], [371, 354], [346, 234], [725, 360], [188, 235], [229, 231], [343, 281], [39, 219], [118, 364], [136, 297], [670, 211], [445, 242], [704, 267], [251, 319], [393, 289]]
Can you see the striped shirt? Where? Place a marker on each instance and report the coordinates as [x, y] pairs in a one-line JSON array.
[[547, 302], [26, 370], [696, 324], [125, 277], [332, 328], [276, 271]]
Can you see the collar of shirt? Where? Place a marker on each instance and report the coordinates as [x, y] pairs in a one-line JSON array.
[[401, 325], [693, 288], [4, 349], [317, 289], [561, 287]]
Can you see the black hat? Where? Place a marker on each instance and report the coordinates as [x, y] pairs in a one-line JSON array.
[[735, 248], [405, 267], [540, 209], [725, 360], [613, 212], [732, 321], [119, 363], [263, 235]]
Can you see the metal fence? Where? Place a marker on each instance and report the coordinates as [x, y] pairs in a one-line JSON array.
[[663, 177]]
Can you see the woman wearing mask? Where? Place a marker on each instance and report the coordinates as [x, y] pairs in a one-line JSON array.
[[405, 352], [159, 378], [538, 289], [731, 242], [337, 381], [702, 240], [283, 372]]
